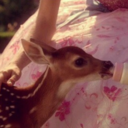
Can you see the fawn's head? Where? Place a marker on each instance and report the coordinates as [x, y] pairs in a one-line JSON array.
[[69, 63]]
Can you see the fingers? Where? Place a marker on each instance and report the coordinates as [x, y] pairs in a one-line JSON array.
[[9, 77], [1, 78], [10, 74], [13, 79]]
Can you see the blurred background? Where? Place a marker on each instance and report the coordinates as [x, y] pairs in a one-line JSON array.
[[13, 13]]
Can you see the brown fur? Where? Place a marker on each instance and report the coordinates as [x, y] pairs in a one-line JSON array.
[[31, 109]]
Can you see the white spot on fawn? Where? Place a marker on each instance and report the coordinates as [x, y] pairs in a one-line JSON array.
[[29, 95], [12, 106], [4, 88], [6, 99], [8, 126], [8, 90], [32, 110], [12, 94], [1, 117], [18, 97], [5, 118], [7, 108], [25, 97], [10, 114]]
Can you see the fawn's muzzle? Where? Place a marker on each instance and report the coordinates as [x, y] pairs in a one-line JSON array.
[[106, 69], [107, 64]]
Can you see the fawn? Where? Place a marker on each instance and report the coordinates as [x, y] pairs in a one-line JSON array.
[[32, 106]]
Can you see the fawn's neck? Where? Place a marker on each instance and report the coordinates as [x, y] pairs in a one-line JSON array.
[[38, 101], [45, 101]]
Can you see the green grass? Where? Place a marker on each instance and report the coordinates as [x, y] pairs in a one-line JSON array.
[[6, 34]]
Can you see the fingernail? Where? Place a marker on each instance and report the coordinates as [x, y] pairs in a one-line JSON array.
[[9, 83]]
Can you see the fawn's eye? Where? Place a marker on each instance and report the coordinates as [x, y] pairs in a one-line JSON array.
[[80, 62]]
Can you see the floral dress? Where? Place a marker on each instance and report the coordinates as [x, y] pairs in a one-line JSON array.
[[97, 104], [114, 4]]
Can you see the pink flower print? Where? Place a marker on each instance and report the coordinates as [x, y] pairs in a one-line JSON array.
[[112, 120], [78, 41], [15, 47], [87, 45], [94, 50], [112, 92], [104, 36], [63, 110], [79, 2], [36, 76], [82, 126], [5, 60], [71, 42], [112, 48], [120, 19], [68, 42], [47, 125]]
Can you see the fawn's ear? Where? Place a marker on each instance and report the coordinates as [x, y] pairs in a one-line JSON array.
[[36, 53]]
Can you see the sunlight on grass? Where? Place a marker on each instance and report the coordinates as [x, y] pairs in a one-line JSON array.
[[6, 34]]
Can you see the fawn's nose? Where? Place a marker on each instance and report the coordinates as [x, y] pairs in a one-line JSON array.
[[107, 64]]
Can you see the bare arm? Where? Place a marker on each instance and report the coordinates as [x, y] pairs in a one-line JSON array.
[[45, 26], [43, 31], [46, 20]]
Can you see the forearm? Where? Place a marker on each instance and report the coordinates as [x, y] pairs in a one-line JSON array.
[[46, 20], [20, 59], [42, 30]]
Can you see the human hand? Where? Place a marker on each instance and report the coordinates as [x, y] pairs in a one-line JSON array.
[[10, 74]]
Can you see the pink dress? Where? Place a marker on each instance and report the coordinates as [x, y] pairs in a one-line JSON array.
[[114, 4], [97, 104]]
